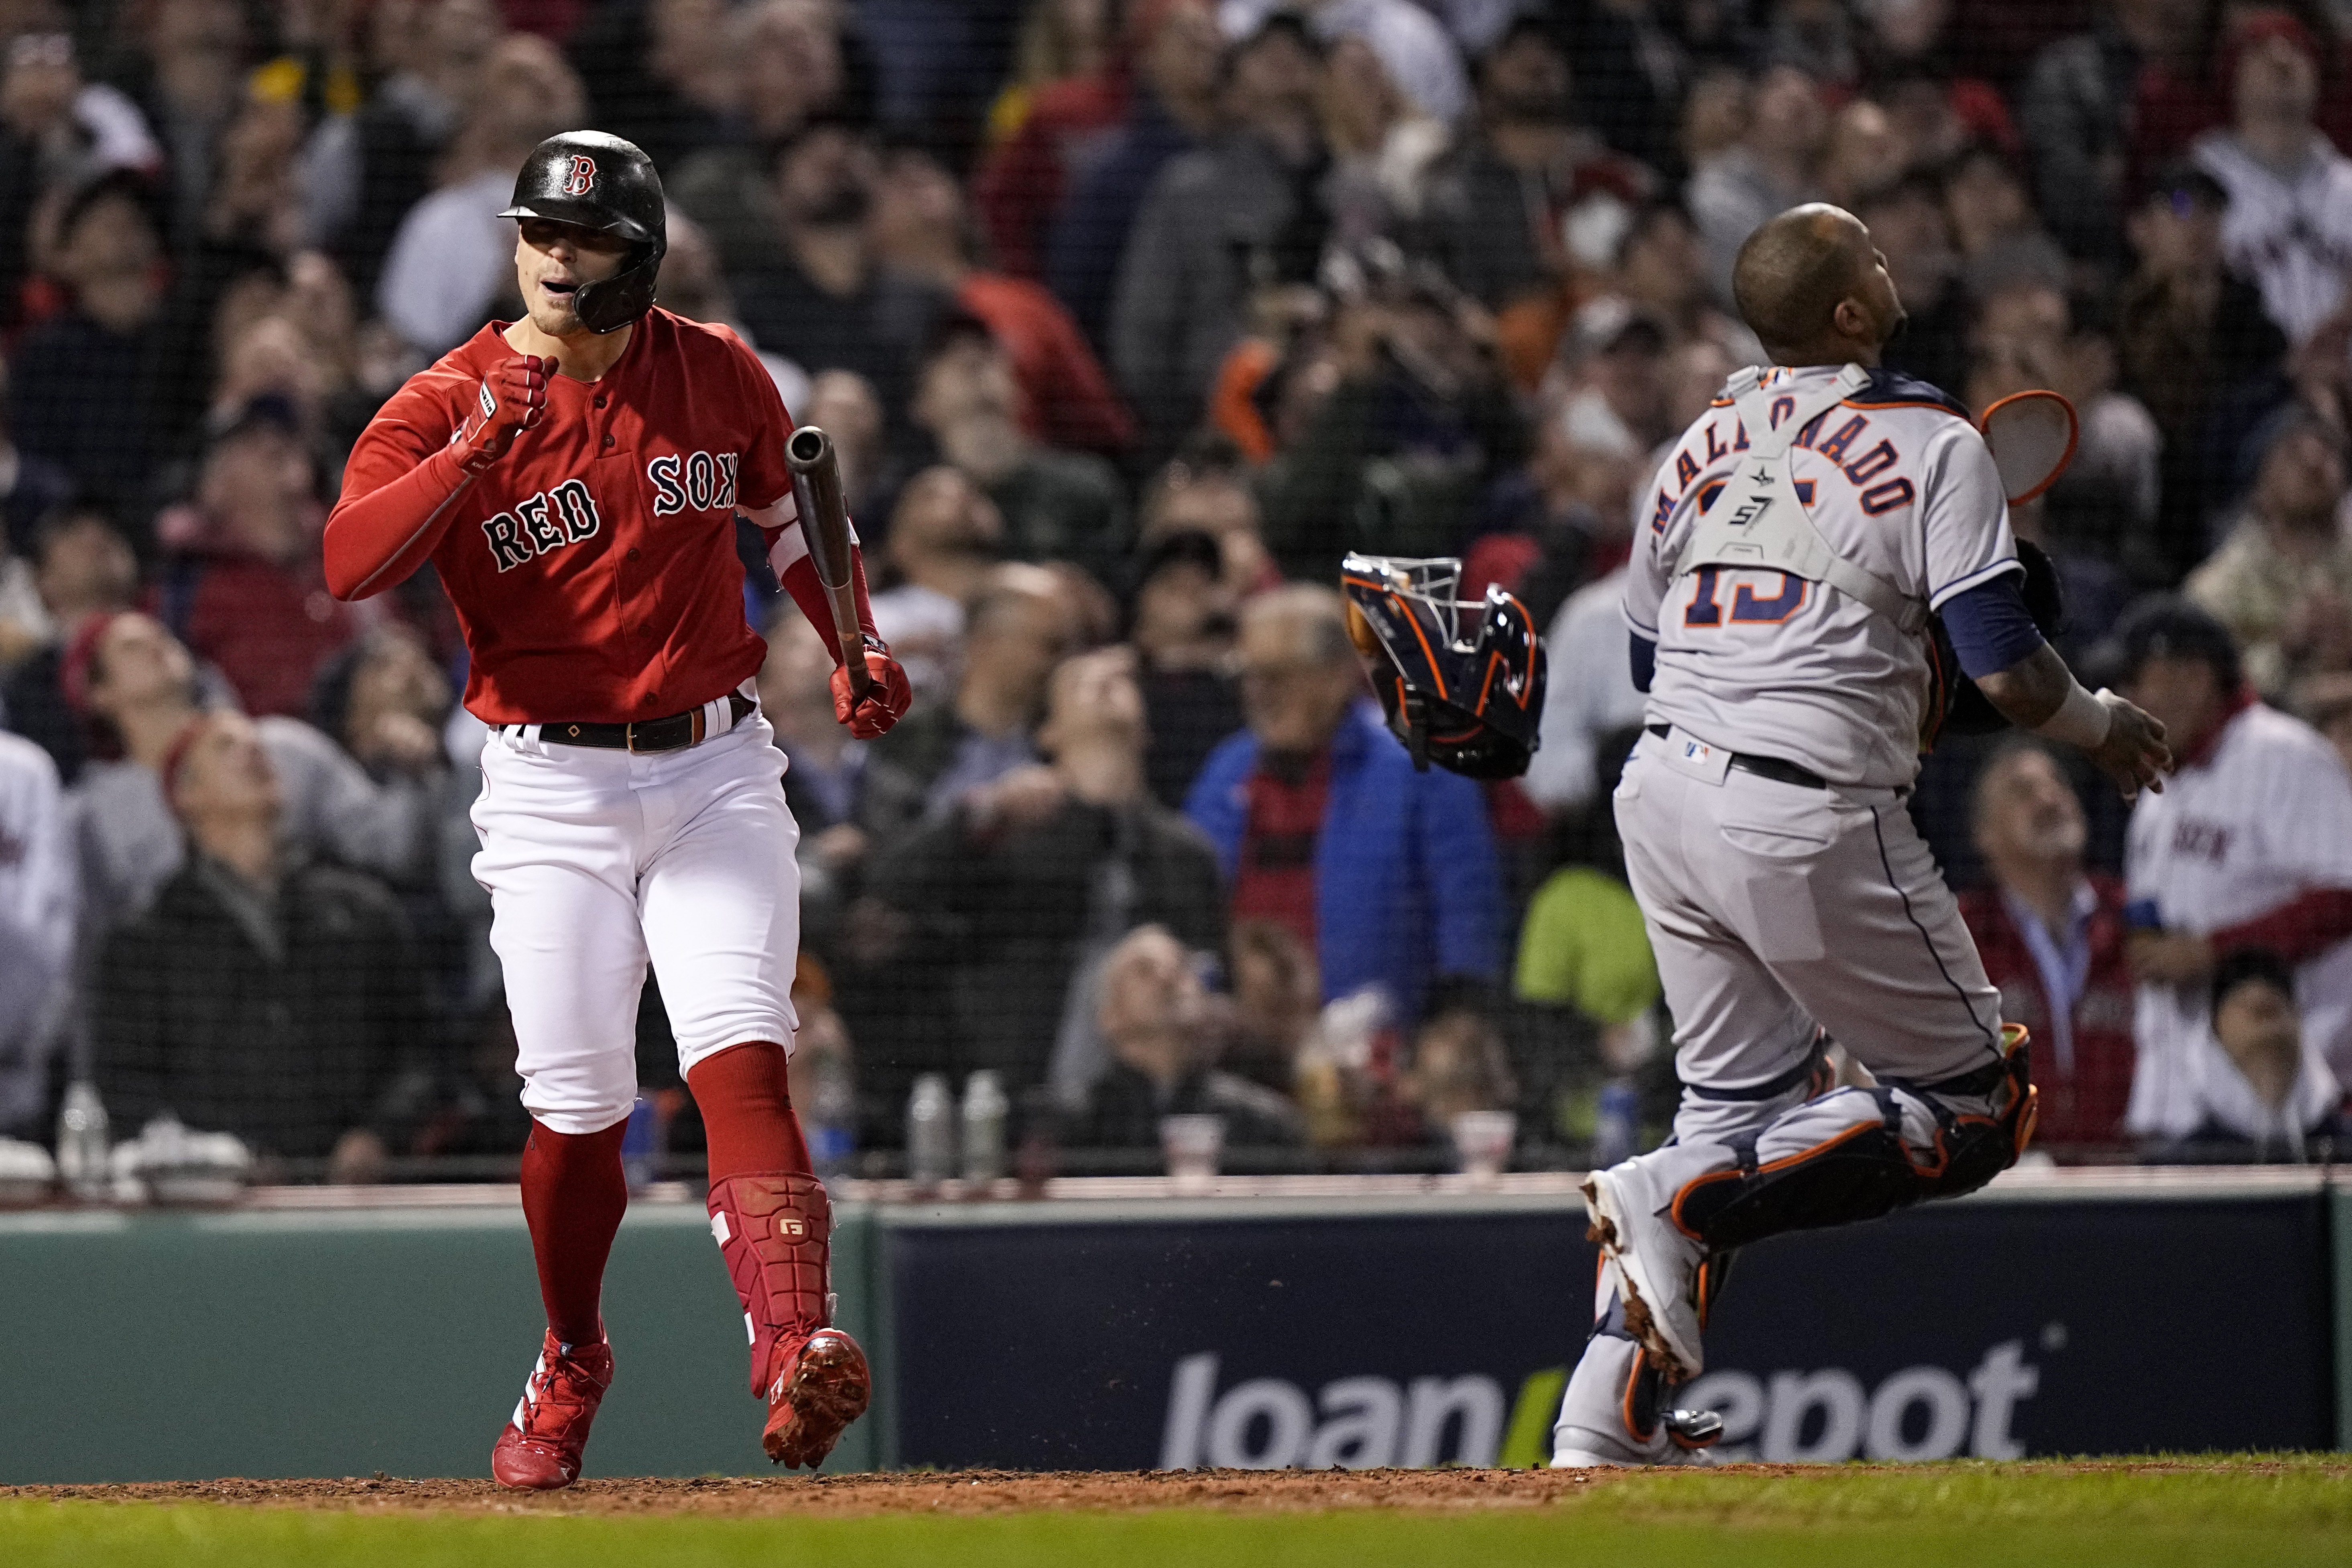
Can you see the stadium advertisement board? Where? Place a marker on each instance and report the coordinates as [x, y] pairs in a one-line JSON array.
[[1969, 1329]]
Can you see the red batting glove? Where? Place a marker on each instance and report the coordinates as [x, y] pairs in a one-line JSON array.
[[887, 693], [509, 401]]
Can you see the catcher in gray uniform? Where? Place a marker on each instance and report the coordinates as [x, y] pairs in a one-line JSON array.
[[1800, 543]]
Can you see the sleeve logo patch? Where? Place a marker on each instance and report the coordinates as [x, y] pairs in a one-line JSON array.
[[549, 521], [704, 481]]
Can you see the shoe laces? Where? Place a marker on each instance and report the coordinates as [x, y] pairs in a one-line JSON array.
[[566, 1391]]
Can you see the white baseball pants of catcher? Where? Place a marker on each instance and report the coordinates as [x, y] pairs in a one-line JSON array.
[[600, 862]]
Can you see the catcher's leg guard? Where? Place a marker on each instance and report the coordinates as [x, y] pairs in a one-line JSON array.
[[1858, 1153], [1615, 1411]]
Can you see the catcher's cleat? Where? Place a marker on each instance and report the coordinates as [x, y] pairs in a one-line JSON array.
[[1657, 1265], [539, 1450], [817, 1387], [1612, 1413]]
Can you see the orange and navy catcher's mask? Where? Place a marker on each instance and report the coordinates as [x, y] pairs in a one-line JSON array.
[[1462, 682]]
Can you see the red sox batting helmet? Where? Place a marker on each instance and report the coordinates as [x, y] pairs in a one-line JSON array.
[[598, 181], [1462, 682]]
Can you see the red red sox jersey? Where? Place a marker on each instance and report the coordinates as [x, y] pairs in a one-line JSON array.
[[593, 567]]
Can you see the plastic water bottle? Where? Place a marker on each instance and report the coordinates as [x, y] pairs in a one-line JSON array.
[[82, 1143], [832, 1114], [1617, 1130], [930, 1131], [640, 1145], [986, 1109]]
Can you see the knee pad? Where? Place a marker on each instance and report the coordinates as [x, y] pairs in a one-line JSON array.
[[1868, 1169]]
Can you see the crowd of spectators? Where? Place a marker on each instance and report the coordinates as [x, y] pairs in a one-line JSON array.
[[1128, 319]]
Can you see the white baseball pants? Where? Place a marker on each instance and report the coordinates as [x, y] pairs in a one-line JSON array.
[[598, 862]]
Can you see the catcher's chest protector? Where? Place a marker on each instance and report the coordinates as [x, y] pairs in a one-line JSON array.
[[1758, 522]]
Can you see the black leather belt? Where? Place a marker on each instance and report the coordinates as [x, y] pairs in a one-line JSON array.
[[1770, 767], [676, 733]]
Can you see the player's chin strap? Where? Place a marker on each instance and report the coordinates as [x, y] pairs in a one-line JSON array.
[[1759, 523]]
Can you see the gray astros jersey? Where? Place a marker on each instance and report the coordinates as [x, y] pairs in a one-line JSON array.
[[1898, 482]]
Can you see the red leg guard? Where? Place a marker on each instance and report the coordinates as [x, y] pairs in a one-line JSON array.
[[775, 1230]]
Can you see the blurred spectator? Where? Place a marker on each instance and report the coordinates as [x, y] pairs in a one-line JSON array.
[[1863, 150], [1056, 505], [1072, 87], [1661, 272], [1388, 875], [38, 911], [1183, 630], [1016, 630], [693, 286], [452, 263], [945, 538], [1497, 208], [248, 589], [1417, 422], [1906, 223], [843, 405], [1013, 899], [922, 230], [31, 490], [2279, 1093], [1245, 213], [1276, 1002], [82, 568], [1996, 232], [137, 686], [662, 73], [2074, 109], [1383, 145], [84, 385], [1775, 164], [796, 63], [1589, 695], [380, 161], [1458, 1066], [826, 301], [1635, 56], [1171, 108], [261, 995], [2325, 702], [845, 801], [384, 700], [1164, 1037], [58, 133], [1206, 489], [2051, 935], [2193, 341], [2283, 583], [2289, 223], [2250, 845]]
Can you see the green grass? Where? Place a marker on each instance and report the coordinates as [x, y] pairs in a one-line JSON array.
[[1967, 1516]]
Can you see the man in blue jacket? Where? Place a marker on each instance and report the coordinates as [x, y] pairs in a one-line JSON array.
[[1321, 824]]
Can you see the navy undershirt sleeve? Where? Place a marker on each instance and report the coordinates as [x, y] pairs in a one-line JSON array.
[[1990, 627], [1644, 655]]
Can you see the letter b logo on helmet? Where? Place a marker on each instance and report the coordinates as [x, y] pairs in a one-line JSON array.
[[593, 180]]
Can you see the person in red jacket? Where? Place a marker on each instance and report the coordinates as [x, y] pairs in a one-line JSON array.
[[574, 478], [2052, 936]]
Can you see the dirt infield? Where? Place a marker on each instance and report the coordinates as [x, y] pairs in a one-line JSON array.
[[975, 1491]]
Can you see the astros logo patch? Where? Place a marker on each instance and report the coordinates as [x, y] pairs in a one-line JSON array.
[[580, 177]]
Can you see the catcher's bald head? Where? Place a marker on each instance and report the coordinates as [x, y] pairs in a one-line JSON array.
[[1812, 287]]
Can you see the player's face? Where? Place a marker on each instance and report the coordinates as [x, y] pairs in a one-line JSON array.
[[552, 260], [1875, 293]]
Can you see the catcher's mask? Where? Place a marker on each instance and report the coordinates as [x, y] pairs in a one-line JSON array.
[[1462, 682]]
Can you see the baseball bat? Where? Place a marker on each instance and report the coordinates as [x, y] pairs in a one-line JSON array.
[[824, 524]]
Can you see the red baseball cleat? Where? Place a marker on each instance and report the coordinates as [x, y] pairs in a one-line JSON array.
[[540, 1450], [818, 1386]]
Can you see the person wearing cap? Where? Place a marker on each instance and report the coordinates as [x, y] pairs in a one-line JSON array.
[[82, 568], [2250, 845], [263, 995], [1182, 630], [2289, 226], [2262, 1091], [2192, 339]]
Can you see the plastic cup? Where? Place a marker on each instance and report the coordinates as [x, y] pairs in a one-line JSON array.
[[1192, 1144], [1482, 1142]]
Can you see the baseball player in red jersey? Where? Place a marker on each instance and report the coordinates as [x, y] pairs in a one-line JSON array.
[[574, 477]]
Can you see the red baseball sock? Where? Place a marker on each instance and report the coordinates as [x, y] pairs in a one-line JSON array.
[[747, 1113], [573, 1195]]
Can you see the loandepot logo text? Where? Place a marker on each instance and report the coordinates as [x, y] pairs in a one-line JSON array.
[[1822, 1416]]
